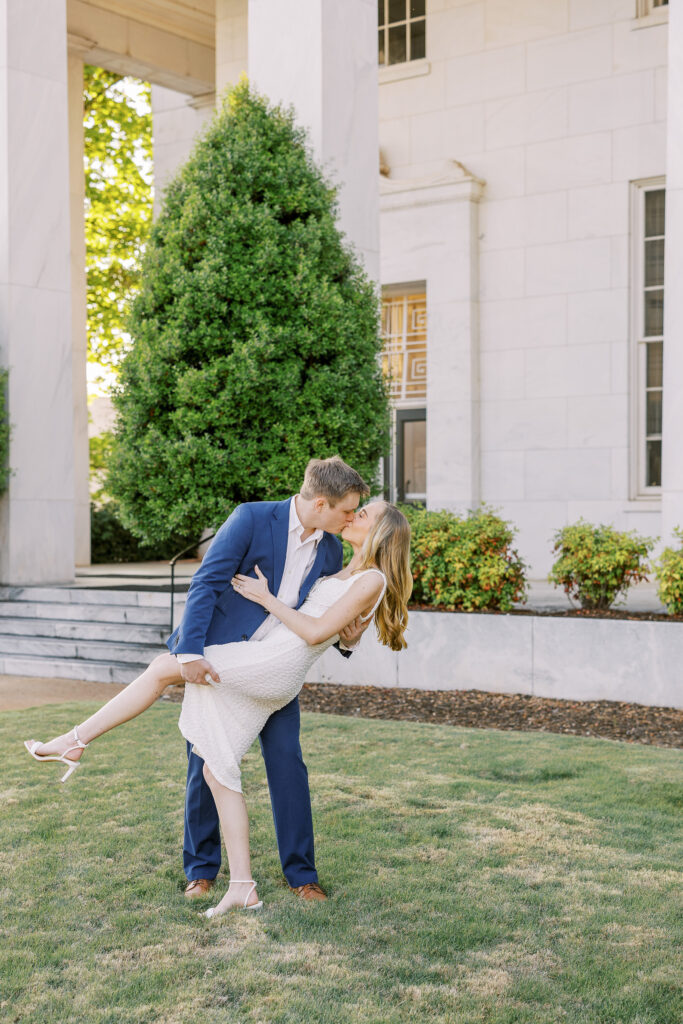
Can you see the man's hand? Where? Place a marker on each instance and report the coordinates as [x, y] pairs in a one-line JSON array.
[[196, 671], [351, 634]]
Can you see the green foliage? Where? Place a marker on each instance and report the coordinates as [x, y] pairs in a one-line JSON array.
[[669, 572], [5, 471], [597, 564], [111, 542], [118, 211], [464, 563], [474, 876], [256, 333], [100, 452]]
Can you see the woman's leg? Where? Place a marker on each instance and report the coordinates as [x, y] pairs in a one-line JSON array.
[[136, 698], [232, 812]]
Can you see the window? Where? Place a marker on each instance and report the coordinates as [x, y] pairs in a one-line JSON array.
[[646, 7], [411, 455], [648, 262], [402, 33], [404, 329], [404, 362]]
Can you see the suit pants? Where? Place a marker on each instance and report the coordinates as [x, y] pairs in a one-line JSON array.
[[289, 796]]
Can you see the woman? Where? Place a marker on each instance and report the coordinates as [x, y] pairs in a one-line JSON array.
[[258, 678]]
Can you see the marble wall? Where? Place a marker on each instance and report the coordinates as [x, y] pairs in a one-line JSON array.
[[558, 105]]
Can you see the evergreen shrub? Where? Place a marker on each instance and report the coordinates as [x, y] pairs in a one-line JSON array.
[[669, 573], [464, 563], [255, 334], [597, 564]]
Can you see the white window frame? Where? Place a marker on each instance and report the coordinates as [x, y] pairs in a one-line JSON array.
[[638, 345], [407, 22], [647, 13]]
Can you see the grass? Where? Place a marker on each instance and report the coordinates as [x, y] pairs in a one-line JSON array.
[[474, 876]]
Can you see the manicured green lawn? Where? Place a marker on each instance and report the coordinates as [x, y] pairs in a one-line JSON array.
[[474, 876]]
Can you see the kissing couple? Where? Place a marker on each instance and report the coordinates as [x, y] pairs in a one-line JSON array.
[[270, 597]]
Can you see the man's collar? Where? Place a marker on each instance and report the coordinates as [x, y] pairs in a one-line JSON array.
[[296, 524]]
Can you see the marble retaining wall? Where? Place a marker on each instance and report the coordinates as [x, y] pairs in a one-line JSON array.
[[545, 656]]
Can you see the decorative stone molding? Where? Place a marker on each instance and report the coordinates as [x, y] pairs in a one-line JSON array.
[[397, 72], [79, 46], [455, 183], [202, 102]]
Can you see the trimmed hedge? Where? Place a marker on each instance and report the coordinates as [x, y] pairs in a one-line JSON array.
[[464, 563], [669, 573], [597, 564]]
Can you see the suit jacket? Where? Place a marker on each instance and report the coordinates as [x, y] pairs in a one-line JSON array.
[[255, 534]]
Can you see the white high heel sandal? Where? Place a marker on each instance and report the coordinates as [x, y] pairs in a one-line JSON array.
[[215, 912], [32, 745]]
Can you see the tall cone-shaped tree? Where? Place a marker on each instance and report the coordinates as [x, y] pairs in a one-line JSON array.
[[255, 333]]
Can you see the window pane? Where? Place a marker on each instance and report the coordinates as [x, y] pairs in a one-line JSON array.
[[397, 10], [381, 57], [654, 412], [654, 213], [404, 358], [397, 45], [654, 364], [653, 470], [414, 483], [654, 262], [380, 12], [417, 40], [654, 313], [417, 8]]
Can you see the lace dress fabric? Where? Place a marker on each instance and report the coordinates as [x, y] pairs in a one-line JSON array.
[[257, 678]]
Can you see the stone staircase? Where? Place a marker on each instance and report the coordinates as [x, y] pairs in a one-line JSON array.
[[99, 635]]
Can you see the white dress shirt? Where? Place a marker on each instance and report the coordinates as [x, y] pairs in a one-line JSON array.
[[298, 563]]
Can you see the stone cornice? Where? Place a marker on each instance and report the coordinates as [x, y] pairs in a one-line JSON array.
[[453, 184]]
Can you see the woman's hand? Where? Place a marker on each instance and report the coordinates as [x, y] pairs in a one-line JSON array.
[[253, 589]]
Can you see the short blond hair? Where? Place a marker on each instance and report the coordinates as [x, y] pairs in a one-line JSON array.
[[331, 479]]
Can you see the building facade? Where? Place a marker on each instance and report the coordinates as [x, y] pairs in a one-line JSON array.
[[525, 219]]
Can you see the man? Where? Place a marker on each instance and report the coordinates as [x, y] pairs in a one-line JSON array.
[[293, 543]]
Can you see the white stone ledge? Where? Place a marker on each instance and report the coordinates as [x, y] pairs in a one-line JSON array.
[[637, 661]]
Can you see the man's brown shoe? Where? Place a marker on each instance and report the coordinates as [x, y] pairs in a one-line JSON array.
[[198, 887], [309, 891]]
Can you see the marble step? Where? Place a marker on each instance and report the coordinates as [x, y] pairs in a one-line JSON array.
[[104, 632], [140, 615], [89, 650], [83, 596], [64, 668]]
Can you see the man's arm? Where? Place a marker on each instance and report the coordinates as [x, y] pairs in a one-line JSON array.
[[221, 561]]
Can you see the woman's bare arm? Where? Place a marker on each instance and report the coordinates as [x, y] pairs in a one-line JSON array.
[[360, 596]]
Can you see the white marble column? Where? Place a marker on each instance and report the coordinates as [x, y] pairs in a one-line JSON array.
[[672, 426], [321, 57], [231, 42], [37, 511], [79, 332], [177, 119]]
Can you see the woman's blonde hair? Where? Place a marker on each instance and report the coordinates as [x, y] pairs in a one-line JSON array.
[[387, 546]]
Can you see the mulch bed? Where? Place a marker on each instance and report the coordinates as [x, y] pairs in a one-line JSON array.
[[632, 723]]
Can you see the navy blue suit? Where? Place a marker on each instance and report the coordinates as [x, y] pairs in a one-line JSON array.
[[255, 534]]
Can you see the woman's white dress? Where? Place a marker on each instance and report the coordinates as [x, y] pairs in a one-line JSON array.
[[222, 720]]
